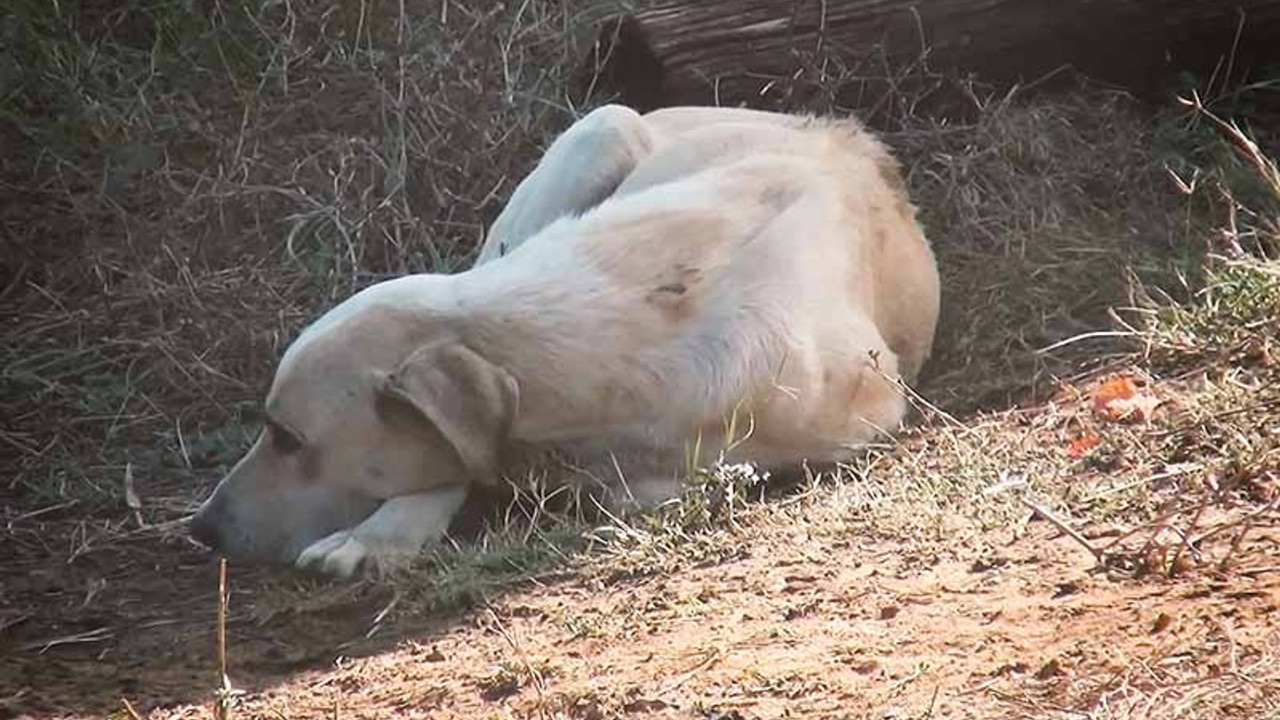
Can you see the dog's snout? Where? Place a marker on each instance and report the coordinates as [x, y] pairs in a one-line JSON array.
[[204, 528]]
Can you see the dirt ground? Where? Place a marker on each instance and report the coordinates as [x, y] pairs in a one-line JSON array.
[[797, 622], [827, 601]]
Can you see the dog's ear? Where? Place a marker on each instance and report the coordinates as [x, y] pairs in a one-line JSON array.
[[471, 401]]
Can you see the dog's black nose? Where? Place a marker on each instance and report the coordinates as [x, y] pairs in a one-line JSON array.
[[203, 529]]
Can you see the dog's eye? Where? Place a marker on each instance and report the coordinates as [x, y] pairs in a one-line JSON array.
[[284, 440]]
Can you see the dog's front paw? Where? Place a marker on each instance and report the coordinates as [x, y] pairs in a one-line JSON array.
[[345, 553], [341, 554]]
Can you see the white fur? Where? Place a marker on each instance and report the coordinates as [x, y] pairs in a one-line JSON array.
[[579, 170], [390, 537]]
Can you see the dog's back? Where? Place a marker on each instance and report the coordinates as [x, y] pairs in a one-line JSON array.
[[896, 263], [743, 262]]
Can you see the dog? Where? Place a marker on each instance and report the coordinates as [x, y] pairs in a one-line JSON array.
[[652, 276]]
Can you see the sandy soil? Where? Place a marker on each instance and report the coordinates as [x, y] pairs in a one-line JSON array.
[[800, 622]]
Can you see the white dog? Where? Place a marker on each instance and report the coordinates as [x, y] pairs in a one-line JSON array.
[[653, 276]]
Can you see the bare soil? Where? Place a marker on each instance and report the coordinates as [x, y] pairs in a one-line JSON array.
[[797, 622], [815, 603]]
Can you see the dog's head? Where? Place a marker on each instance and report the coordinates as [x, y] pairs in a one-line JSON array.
[[376, 399]]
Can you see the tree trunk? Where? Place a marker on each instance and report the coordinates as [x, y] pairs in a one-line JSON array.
[[763, 52]]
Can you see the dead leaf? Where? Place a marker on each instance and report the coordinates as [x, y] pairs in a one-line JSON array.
[[1120, 400], [1082, 445]]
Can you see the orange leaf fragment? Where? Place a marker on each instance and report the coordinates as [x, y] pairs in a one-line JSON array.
[[1082, 445], [1117, 388], [1119, 399]]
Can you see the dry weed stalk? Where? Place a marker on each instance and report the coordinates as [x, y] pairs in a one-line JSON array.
[[129, 709], [225, 694], [531, 672]]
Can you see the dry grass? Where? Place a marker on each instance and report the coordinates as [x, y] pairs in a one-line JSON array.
[[190, 189], [1211, 677]]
